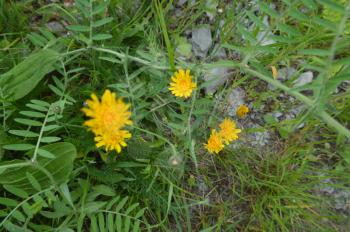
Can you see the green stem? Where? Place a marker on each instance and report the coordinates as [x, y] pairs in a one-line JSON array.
[[40, 135]]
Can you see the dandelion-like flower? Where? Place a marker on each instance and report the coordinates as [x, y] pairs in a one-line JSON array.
[[108, 119], [215, 142], [228, 131], [242, 111], [182, 84]]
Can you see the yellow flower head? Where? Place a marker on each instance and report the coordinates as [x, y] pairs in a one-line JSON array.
[[108, 118], [215, 143], [182, 84], [242, 111], [228, 131]]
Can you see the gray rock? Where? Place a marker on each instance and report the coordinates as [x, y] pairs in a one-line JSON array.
[[216, 77], [342, 200], [181, 2], [263, 35], [201, 40], [285, 73], [220, 54], [303, 79], [235, 99], [277, 115], [55, 26]]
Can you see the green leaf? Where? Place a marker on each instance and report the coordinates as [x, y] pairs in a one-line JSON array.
[[33, 181], [32, 114], [78, 28], [50, 139], [314, 52], [100, 8], [36, 107], [40, 103], [101, 36], [51, 127], [8, 202], [101, 22], [333, 5], [24, 133], [266, 8], [19, 147], [28, 122], [59, 168], [16, 191], [92, 207], [22, 79], [46, 154]]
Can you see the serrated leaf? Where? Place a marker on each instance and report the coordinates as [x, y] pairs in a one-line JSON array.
[[28, 122], [46, 154], [50, 139], [19, 147], [101, 37], [24, 133]]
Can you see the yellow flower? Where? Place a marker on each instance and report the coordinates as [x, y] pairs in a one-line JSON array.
[[182, 85], [108, 118], [228, 131], [242, 111], [215, 143]]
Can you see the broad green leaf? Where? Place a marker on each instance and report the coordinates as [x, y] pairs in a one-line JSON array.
[[19, 147], [22, 78], [59, 167]]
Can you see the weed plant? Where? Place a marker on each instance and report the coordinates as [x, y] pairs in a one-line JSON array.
[[159, 153]]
